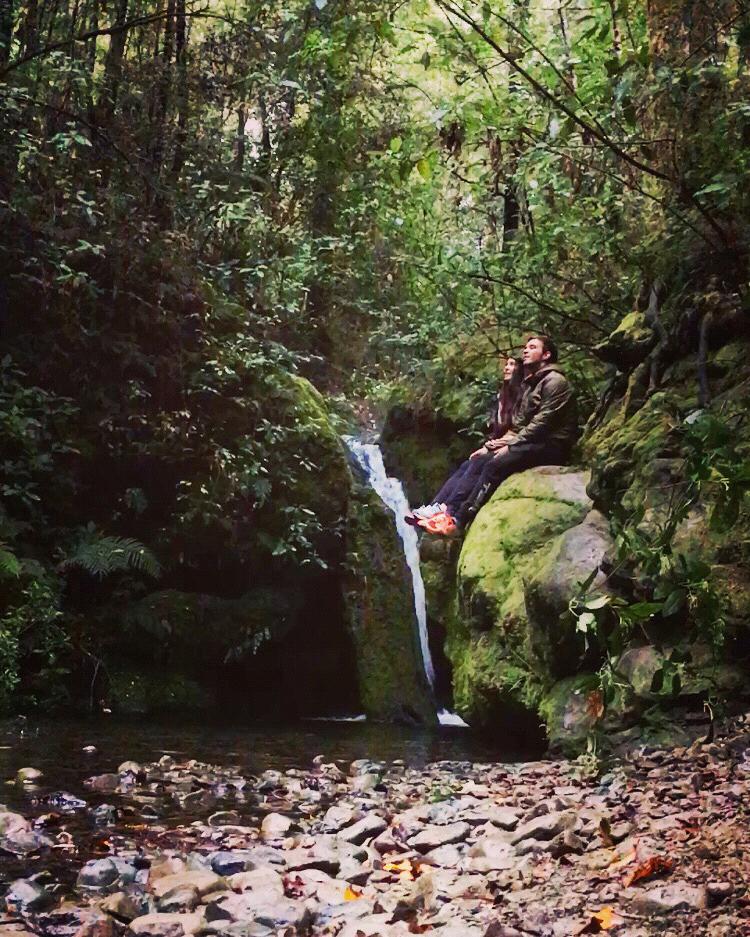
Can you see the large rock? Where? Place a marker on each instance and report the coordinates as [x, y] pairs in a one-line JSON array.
[[520, 565], [630, 342], [568, 561]]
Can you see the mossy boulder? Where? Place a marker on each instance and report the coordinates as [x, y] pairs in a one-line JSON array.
[[701, 673], [380, 602], [630, 342], [518, 569]]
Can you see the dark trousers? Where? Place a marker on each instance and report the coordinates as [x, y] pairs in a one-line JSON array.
[[461, 482], [475, 486]]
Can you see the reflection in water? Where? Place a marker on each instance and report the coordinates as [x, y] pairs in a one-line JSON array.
[[57, 747]]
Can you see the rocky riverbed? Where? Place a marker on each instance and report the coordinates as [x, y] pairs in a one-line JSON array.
[[657, 844]]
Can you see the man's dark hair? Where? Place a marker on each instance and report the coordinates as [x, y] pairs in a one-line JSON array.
[[547, 345]]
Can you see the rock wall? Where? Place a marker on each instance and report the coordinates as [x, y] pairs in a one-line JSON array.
[[502, 597], [507, 638], [380, 603]]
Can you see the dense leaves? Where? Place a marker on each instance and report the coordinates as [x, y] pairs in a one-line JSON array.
[[199, 203]]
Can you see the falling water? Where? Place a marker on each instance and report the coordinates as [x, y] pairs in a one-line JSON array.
[[391, 492]]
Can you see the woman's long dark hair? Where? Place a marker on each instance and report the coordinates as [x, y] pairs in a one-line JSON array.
[[508, 399]]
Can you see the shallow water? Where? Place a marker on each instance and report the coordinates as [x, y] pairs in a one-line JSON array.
[[56, 747], [149, 818]]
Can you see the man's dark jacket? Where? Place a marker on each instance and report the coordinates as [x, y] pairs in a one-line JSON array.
[[547, 410]]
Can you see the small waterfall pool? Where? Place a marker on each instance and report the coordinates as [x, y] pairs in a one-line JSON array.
[[390, 490]]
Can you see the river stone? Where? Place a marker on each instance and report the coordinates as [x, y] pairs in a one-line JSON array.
[[364, 783], [336, 817], [490, 854], [98, 873], [447, 857], [237, 929], [321, 856], [264, 880], [124, 905], [129, 767], [506, 818], [433, 836], [24, 896], [71, 921], [29, 775], [186, 898], [224, 818], [23, 842], [12, 823], [203, 882], [665, 899], [545, 827], [366, 828], [104, 783], [167, 925], [104, 815], [275, 826], [230, 862]]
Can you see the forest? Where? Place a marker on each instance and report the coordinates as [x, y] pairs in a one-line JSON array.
[[262, 264], [233, 231]]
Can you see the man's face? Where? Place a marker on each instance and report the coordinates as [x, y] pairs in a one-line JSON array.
[[534, 353]]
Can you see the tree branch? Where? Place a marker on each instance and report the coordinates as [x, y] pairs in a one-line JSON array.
[[450, 8]]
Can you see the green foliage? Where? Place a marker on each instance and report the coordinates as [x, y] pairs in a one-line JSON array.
[[198, 206], [101, 556], [680, 585]]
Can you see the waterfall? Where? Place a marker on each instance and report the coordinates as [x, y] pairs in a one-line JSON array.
[[370, 459]]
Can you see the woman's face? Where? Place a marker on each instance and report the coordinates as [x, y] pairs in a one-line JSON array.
[[510, 367]]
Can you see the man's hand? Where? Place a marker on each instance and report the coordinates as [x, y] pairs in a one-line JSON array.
[[504, 450], [478, 452]]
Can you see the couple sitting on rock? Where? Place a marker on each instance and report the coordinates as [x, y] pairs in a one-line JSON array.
[[534, 422]]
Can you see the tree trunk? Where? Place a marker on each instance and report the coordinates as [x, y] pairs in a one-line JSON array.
[[107, 102], [182, 87], [6, 30], [239, 140]]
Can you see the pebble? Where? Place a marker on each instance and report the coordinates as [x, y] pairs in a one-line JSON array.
[[533, 849]]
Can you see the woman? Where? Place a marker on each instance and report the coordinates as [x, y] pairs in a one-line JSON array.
[[501, 430]]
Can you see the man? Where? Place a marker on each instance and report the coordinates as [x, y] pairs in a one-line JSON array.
[[544, 431]]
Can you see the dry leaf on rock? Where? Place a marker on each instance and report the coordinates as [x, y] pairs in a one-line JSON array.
[[599, 921], [654, 865]]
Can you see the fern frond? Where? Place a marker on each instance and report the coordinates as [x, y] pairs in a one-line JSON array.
[[101, 556], [10, 567]]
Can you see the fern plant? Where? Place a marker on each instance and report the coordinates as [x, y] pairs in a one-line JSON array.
[[10, 567], [100, 555]]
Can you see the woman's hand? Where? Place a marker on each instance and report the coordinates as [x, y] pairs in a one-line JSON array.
[[478, 452]]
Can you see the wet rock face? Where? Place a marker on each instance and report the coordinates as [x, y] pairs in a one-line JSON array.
[[520, 565], [380, 601]]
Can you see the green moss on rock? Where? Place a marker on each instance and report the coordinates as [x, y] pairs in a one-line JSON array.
[[381, 614], [496, 641]]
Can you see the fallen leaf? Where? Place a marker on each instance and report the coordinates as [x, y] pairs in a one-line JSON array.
[[406, 869], [351, 894], [595, 704], [606, 918], [654, 865]]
